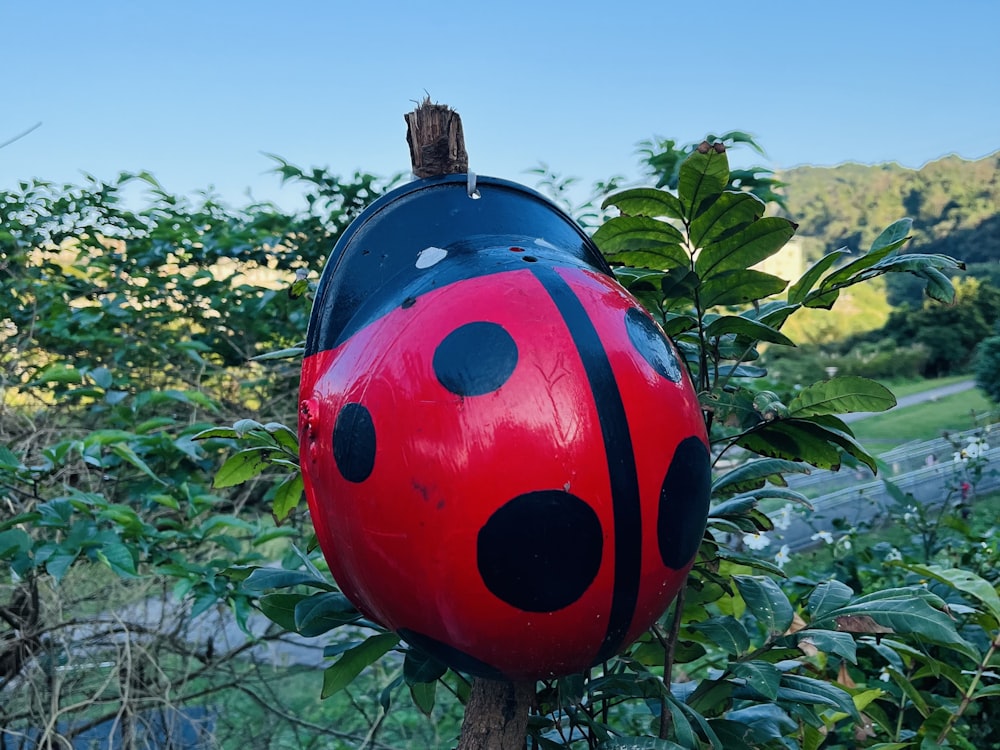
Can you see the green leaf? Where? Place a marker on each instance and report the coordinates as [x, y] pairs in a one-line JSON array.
[[638, 279], [216, 432], [732, 408], [128, 455], [910, 691], [13, 542], [730, 211], [118, 557], [9, 459], [59, 564], [262, 579], [57, 373], [753, 474], [165, 500], [243, 426], [822, 692], [726, 632], [641, 241], [830, 642], [292, 352], [320, 613], [893, 235], [679, 283], [766, 602], [241, 466], [646, 201], [841, 395], [419, 666], [151, 425], [964, 581], [794, 440], [739, 287], [703, 177], [287, 497], [827, 597], [284, 436], [887, 242], [423, 695], [903, 611], [675, 325], [798, 291], [838, 433], [354, 660], [821, 300], [745, 248], [761, 676], [775, 313], [280, 608], [752, 329], [747, 560], [938, 286], [766, 721]]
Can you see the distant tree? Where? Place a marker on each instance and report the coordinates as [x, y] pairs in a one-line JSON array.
[[953, 203], [949, 332], [987, 366]]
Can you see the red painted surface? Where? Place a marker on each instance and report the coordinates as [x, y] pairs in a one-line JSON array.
[[402, 543]]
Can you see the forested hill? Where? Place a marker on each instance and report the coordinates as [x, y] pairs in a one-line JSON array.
[[955, 205]]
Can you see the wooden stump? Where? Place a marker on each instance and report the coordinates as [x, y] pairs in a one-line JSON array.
[[437, 144], [496, 716]]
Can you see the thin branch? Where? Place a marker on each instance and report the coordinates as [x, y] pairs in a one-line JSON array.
[[21, 135]]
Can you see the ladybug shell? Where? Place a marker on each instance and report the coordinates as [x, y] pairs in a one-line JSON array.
[[504, 459]]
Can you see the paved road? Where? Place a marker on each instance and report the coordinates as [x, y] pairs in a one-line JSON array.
[[923, 471], [917, 398]]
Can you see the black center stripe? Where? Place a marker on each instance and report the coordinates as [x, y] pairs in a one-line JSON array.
[[621, 459]]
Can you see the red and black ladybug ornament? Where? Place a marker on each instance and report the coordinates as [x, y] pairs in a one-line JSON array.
[[504, 459]]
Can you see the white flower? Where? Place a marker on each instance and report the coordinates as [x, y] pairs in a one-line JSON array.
[[826, 536], [782, 557], [756, 541], [784, 518], [893, 555], [844, 544], [884, 675]]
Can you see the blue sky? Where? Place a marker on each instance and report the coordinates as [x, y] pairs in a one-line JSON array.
[[196, 92]]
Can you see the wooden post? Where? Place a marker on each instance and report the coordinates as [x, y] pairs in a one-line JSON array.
[[437, 144], [496, 716]]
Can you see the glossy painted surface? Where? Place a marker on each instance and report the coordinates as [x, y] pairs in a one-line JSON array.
[[502, 455]]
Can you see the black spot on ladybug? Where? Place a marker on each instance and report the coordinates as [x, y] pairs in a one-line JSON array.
[[475, 359], [540, 551], [530, 259], [453, 657], [354, 442], [650, 342], [684, 501]]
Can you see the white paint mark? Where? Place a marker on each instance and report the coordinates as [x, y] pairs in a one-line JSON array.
[[430, 256], [542, 243]]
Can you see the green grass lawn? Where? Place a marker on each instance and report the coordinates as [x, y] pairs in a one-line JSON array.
[[926, 421], [909, 387]]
